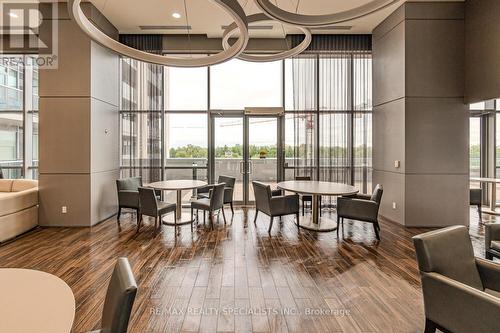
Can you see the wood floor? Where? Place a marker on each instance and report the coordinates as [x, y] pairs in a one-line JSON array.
[[238, 277]]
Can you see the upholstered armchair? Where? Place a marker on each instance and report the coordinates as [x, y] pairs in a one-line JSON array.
[[214, 203], [461, 292], [128, 194], [492, 240], [204, 192], [360, 207], [273, 204], [476, 200]]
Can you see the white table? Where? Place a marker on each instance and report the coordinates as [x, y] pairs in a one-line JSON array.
[[493, 192], [33, 301], [179, 186], [317, 189]]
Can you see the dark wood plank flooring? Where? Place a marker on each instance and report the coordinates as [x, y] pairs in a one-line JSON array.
[[238, 278]]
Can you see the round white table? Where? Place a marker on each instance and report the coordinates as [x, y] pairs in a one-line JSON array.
[[316, 189], [179, 186], [34, 301]]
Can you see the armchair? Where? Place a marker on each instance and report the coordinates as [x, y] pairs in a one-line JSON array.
[[461, 292], [204, 192], [128, 194], [361, 207], [273, 204], [492, 240]]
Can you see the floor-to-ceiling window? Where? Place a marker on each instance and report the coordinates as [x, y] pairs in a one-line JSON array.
[[198, 128], [18, 117]]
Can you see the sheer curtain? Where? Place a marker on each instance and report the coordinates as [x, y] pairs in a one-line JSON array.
[[332, 88], [141, 119]]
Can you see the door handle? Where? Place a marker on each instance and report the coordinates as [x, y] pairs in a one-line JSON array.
[[241, 167], [250, 167]]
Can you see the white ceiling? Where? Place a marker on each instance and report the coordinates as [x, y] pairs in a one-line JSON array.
[[205, 17]]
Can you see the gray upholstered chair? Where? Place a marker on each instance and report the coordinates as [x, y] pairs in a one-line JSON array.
[[307, 198], [273, 204], [150, 206], [461, 293], [210, 205], [119, 299], [476, 195], [360, 207], [204, 192], [1, 174], [492, 240], [128, 194]]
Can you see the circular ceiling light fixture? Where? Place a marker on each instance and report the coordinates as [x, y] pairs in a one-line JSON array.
[[284, 16], [176, 15], [255, 18], [231, 7]]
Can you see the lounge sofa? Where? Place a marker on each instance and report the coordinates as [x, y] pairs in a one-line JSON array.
[[18, 207]]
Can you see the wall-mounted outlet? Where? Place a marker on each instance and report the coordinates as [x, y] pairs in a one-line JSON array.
[[64, 209], [397, 164], [394, 206]]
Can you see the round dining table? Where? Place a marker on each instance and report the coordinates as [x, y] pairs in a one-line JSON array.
[[316, 189], [34, 301], [178, 186]]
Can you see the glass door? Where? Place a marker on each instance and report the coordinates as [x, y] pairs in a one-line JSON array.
[[262, 160]]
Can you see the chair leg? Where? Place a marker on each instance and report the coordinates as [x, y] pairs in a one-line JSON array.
[[138, 213], [204, 218], [119, 214], [139, 221], [488, 256], [255, 219], [375, 228], [232, 208], [211, 219], [192, 215], [338, 225], [271, 224], [430, 326], [223, 214], [298, 221], [479, 211], [303, 207]]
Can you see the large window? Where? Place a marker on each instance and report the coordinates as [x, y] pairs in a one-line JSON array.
[[18, 117], [326, 128]]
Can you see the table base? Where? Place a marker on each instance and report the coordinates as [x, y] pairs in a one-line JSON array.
[[185, 218], [325, 224]]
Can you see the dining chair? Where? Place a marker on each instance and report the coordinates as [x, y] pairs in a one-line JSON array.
[[128, 195], [210, 205], [475, 197], [150, 206], [492, 240], [119, 300], [461, 292], [360, 207], [306, 197], [204, 191], [274, 205]]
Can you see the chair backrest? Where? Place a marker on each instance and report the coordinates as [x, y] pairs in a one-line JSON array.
[[217, 196], [147, 201], [475, 196], [130, 184], [377, 193], [449, 252], [229, 181], [262, 193], [303, 178], [119, 299], [1, 174]]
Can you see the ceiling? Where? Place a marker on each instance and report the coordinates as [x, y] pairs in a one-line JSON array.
[[205, 17]]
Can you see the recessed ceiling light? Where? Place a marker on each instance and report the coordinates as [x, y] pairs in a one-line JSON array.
[[14, 15], [176, 15]]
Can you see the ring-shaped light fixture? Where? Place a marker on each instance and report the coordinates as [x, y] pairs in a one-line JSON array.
[[232, 7], [284, 16], [232, 29]]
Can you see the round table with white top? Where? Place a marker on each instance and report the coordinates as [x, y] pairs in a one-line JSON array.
[[179, 186], [317, 189], [34, 301]]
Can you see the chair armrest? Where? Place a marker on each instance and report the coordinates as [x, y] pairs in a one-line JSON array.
[[358, 196], [277, 193], [490, 273], [128, 198], [492, 233], [459, 307], [285, 204], [204, 189], [359, 209]]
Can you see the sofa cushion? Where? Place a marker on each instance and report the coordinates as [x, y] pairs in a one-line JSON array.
[[495, 245], [11, 202], [5, 185], [19, 185]]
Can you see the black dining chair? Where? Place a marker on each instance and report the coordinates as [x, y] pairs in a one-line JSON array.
[[210, 205], [119, 301], [204, 191], [150, 206], [306, 197]]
